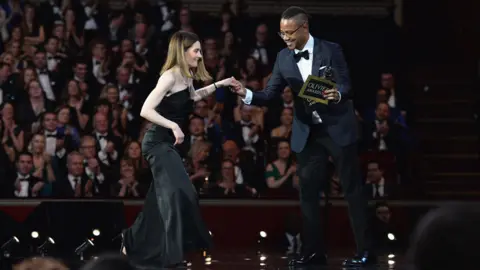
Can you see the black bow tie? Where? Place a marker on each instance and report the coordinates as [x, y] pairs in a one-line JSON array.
[[51, 136], [102, 137], [303, 54], [43, 72]]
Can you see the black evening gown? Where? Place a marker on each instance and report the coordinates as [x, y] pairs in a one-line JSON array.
[[170, 223]]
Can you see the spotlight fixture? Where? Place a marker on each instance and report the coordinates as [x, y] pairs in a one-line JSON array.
[[80, 250], [44, 248], [96, 232], [34, 235], [263, 234], [391, 237], [6, 248]]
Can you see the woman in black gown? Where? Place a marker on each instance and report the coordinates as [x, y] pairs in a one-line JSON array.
[[170, 223]]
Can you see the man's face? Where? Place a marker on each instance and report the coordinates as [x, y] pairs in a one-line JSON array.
[[387, 81], [101, 123], [81, 70], [294, 34], [88, 148], [197, 127], [40, 60], [52, 45], [24, 164], [382, 111], [75, 165], [261, 33], [374, 174], [50, 121], [201, 108], [123, 76]]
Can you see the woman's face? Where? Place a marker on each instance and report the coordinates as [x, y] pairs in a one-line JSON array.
[[228, 171], [193, 55], [59, 32], [250, 65], [7, 111], [73, 90], [126, 169], [134, 150], [38, 144], [126, 45], [8, 59], [15, 48], [69, 16], [28, 75], [129, 57], [203, 153], [64, 116], [16, 34], [283, 150], [29, 13], [34, 89], [228, 38], [287, 117], [112, 95]]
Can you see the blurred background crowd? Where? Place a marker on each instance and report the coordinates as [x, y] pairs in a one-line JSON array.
[[74, 75]]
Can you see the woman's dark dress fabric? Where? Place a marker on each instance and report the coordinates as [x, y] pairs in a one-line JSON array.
[[170, 223]]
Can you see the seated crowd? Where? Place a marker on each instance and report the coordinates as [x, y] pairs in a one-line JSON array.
[[73, 79]]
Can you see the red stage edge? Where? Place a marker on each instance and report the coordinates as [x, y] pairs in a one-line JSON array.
[[237, 223]]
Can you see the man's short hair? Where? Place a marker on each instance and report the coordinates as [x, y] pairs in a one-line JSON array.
[[296, 13]]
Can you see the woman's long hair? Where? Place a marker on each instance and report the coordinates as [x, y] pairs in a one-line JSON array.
[[180, 42]]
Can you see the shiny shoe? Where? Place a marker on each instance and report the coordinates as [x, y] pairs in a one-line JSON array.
[[123, 250], [309, 259], [360, 260]]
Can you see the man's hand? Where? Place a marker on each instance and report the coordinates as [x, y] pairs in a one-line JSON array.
[[331, 94], [238, 88]]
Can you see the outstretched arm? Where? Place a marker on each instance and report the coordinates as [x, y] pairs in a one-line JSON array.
[[206, 91], [164, 84], [275, 86]]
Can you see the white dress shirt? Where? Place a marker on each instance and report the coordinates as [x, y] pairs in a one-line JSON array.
[[305, 67]]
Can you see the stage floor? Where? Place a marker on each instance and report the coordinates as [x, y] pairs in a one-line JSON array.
[[250, 260], [245, 259]]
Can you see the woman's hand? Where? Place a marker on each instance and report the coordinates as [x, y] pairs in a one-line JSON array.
[[226, 82], [178, 133]]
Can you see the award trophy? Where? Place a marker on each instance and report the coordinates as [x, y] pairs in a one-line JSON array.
[[313, 88]]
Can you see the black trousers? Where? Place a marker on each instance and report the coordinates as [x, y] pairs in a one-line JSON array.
[[312, 171]]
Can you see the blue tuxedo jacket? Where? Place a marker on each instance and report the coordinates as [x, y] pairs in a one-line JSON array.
[[339, 119]]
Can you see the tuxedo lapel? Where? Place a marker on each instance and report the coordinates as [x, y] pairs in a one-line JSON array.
[[317, 57]]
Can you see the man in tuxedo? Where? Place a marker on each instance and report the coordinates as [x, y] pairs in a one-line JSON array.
[[318, 131]]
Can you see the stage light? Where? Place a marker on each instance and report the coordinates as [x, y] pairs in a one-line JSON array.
[[34, 235], [80, 250], [263, 234], [96, 232], [391, 236], [263, 258], [47, 246], [391, 256], [391, 262], [6, 248]]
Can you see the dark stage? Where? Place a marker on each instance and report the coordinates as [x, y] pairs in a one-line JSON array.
[[237, 227]]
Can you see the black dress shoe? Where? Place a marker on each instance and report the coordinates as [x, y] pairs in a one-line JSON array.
[[360, 260], [309, 259]]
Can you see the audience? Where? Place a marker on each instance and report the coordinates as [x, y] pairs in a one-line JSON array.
[[73, 79]]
